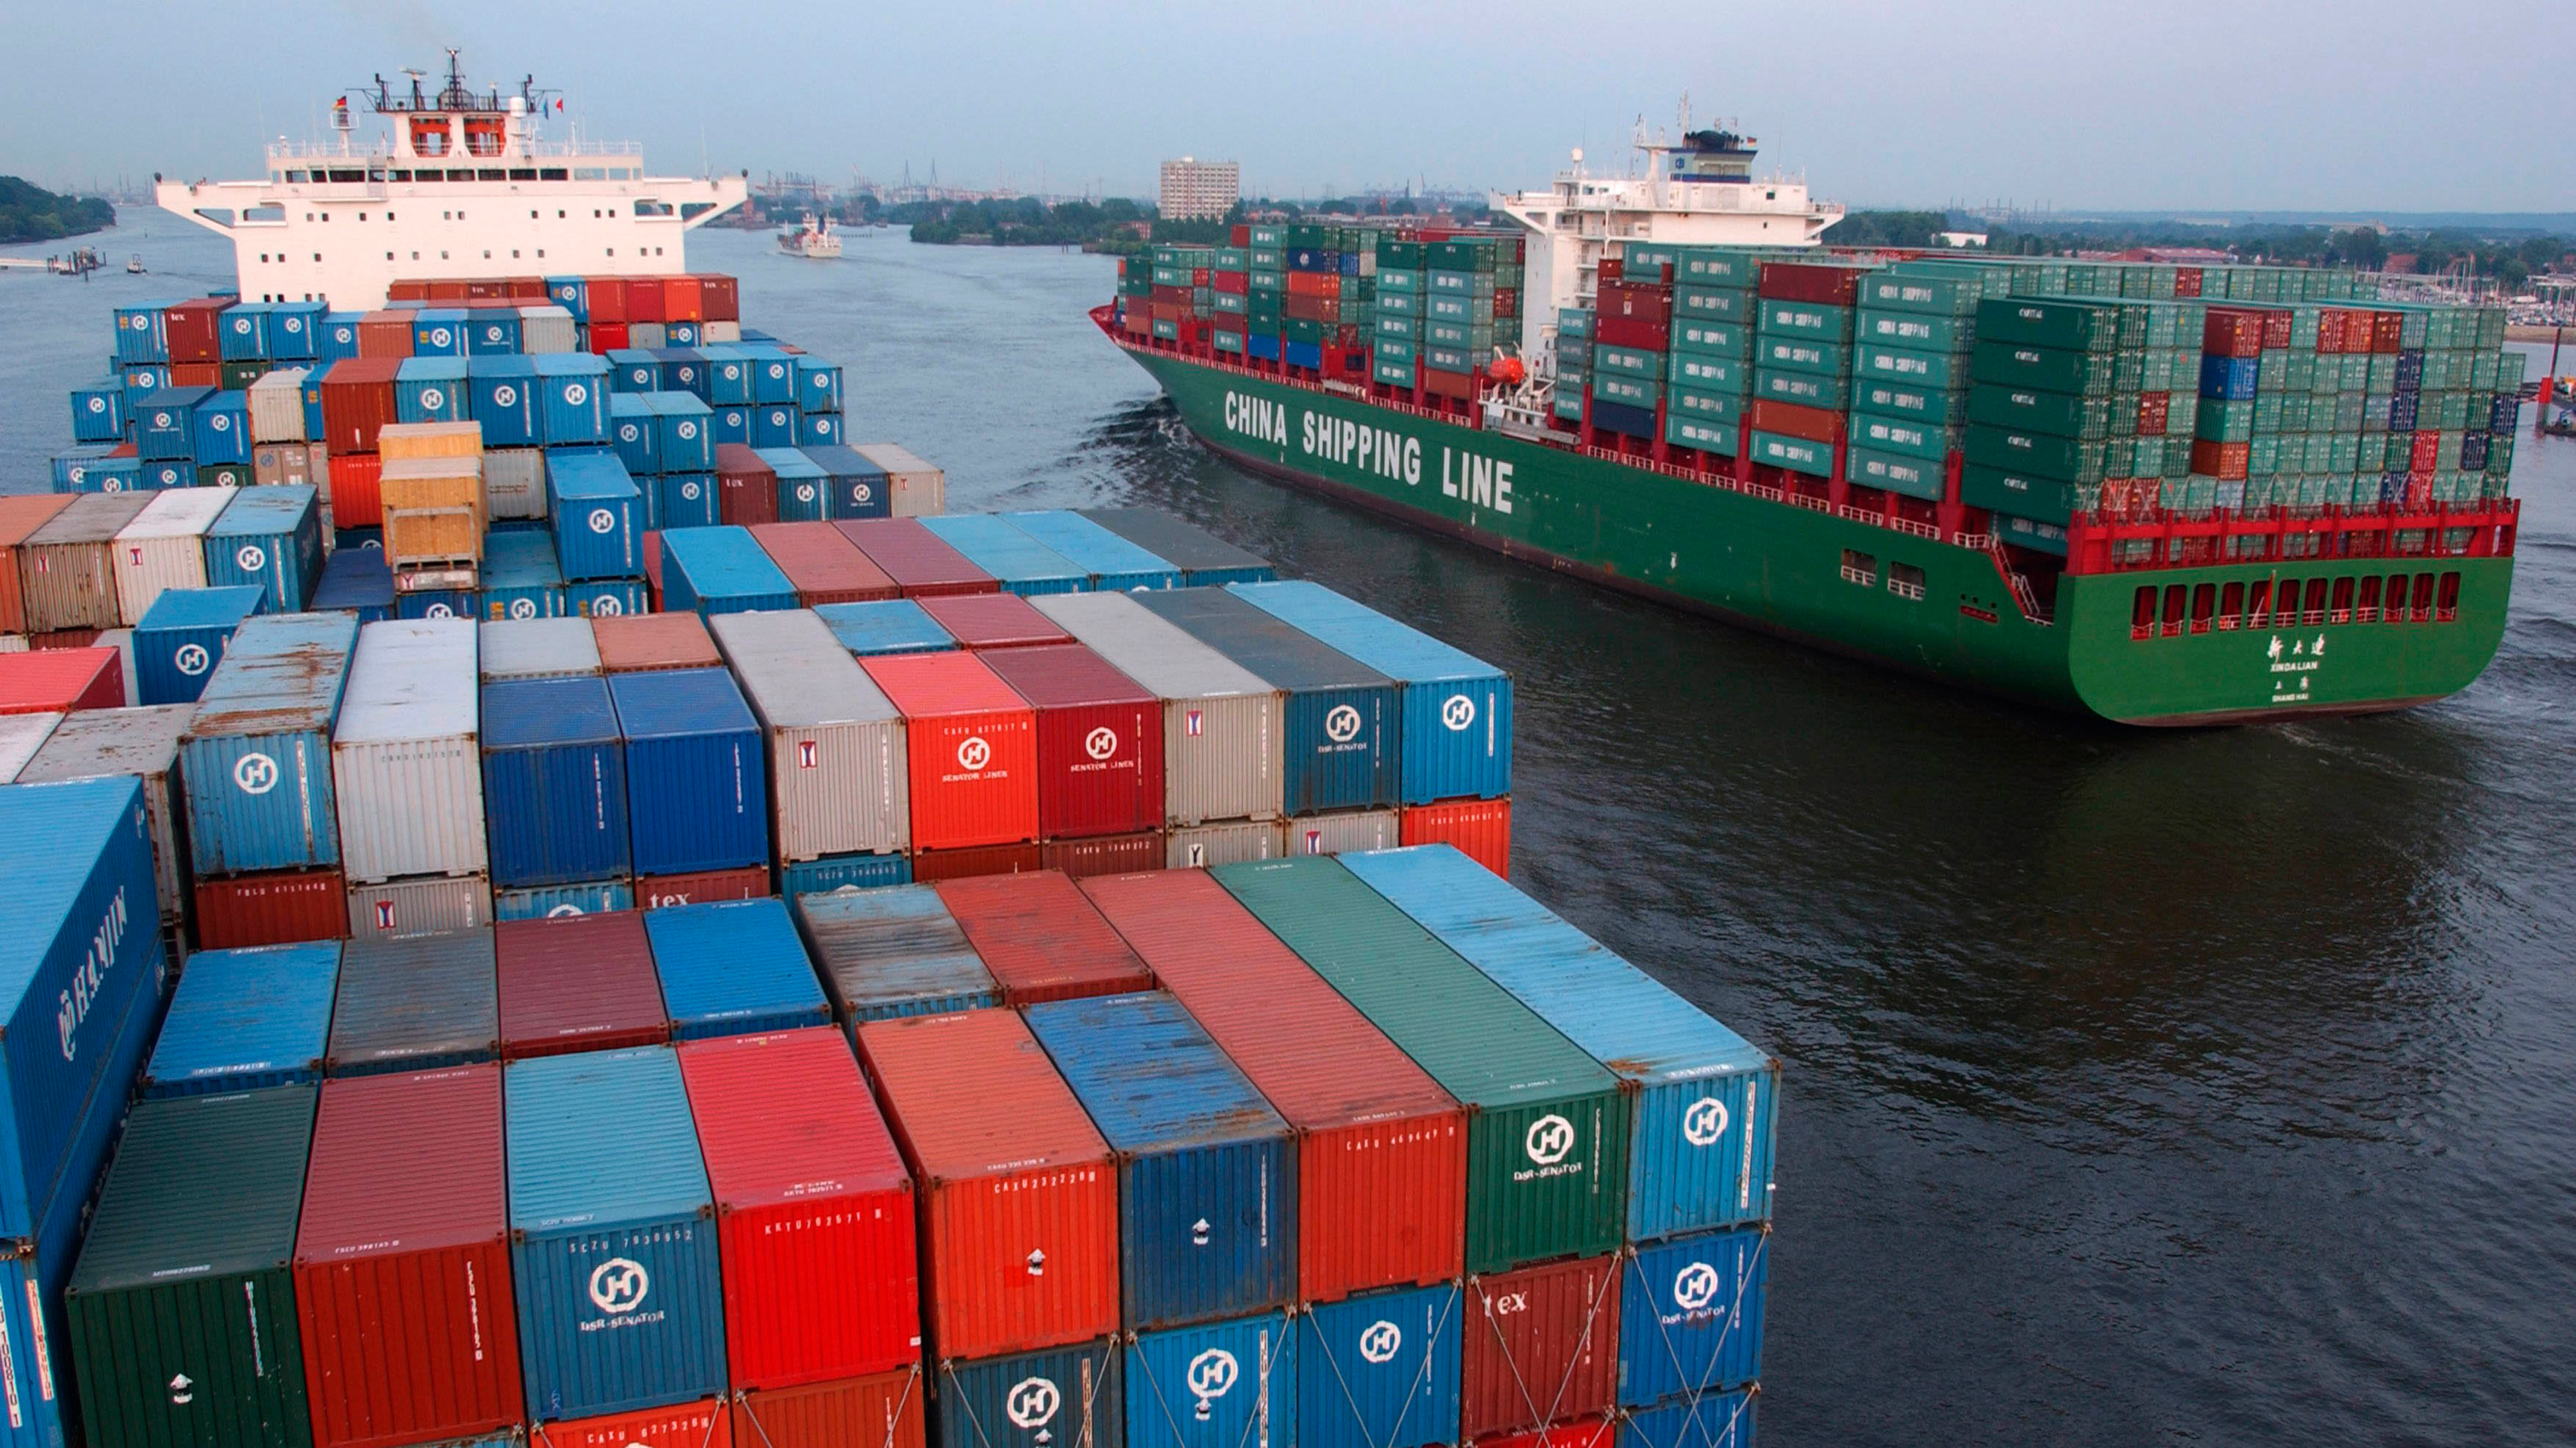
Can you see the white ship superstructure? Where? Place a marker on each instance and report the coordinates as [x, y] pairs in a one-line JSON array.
[[1700, 191], [461, 186]]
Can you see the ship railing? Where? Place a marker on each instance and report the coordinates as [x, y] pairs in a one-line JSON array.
[[2103, 543]]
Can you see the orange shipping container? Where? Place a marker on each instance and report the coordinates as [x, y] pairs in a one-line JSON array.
[[883, 1411], [1019, 1204], [702, 1424], [1480, 828], [1314, 284], [355, 501], [972, 749], [20, 515]]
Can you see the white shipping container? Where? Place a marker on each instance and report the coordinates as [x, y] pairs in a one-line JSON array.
[[405, 761], [277, 406], [538, 648], [1222, 844], [647, 335], [121, 640], [21, 735], [439, 905], [164, 547], [1222, 723], [143, 743], [720, 331], [514, 482], [547, 329], [920, 490], [835, 742], [1341, 831], [13, 643]]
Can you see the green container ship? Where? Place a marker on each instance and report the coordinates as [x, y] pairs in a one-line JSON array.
[[2000, 474]]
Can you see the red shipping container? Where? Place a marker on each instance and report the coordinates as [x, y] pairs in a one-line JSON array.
[[721, 295], [384, 335], [450, 291], [1100, 740], [1041, 938], [652, 892], [20, 515], [2276, 330], [631, 643], [650, 545], [1382, 1150], [407, 290], [357, 490], [929, 866], [1104, 854], [993, 621], [883, 1411], [357, 401], [1019, 1204], [1234, 283], [192, 327], [825, 566], [971, 747], [1480, 829], [1457, 385], [746, 486], [645, 299], [606, 337], [604, 300], [2425, 454], [196, 374], [814, 1214], [1540, 1345], [1793, 419], [2232, 332], [64, 638], [58, 681], [1611, 270], [2225, 461], [1314, 284], [1799, 281], [1597, 1432], [577, 983], [1645, 333], [2387, 332], [683, 300], [1507, 302], [702, 1424], [2186, 282], [277, 908], [2155, 410], [1650, 301], [1312, 309], [402, 1262]]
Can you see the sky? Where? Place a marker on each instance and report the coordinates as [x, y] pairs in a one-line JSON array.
[[2081, 104]]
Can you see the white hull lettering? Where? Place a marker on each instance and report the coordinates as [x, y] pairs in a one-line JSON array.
[[1482, 482]]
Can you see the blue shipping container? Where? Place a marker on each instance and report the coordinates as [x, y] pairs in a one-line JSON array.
[[242, 1019], [1379, 1370], [432, 389], [520, 580], [1023, 564], [1342, 746], [181, 638], [720, 570], [256, 759], [160, 476], [439, 331], [697, 787], [728, 375], [833, 872], [1113, 562], [774, 425], [606, 597], [270, 536], [438, 603], [818, 385], [356, 581], [335, 340], [860, 489], [165, 423], [241, 332], [98, 411], [79, 945], [572, 398], [688, 500], [1706, 1098], [91, 470], [141, 335], [554, 782], [1066, 1397], [892, 952], [680, 369], [1715, 1420], [887, 626], [773, 373], [633, 369], [219, 429], [620, 1303], [732, 423], [494, 332], [598, 516], [818, 429], [295, 330], [1456, 708], [588, 898], [1207, 1190], [411, 1003], [733, 968], [504, 392], [804, 493], [633, 428], [1690, 1315], [1222, 1385], [686, 442], [570, 293]]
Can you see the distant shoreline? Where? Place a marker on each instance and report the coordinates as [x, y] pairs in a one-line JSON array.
[[2523, 332]]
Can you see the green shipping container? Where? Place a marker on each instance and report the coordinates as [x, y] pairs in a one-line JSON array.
[[1712, 304], [1721, 266], [1269, 283], [1442, 283], [1917, 288], [1461, 256], [1924, 404], [1398, 255], [1710, 374], [2048, 369], [1684, 430], [1474, 311], [1805, 319], [1398, 279], [1710, 409], [1233, 304], [1267, 258], [1797, 454], [1166, 329], [2035, 453], [1912, 476], [2225, 422], [1569, 406], [1627, 391], [225, 475], [1393, 349], [1799, 354], [1405, 329], [1399, 304], [1450, 359], [1225, 341], [1919, 330], [186, 1278], [2059, 414], [1714, 339], [1459, 334], [2001, 490], [2035, 322], [1394, 371], [1547, 1134], [1573, 322], [1909, 437], [1807, 389], [1905, 367], [1301, 329]]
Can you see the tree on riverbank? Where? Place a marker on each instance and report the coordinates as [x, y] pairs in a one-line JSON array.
[[31, 213]]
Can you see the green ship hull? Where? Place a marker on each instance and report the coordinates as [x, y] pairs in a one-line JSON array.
[[1780, 567]]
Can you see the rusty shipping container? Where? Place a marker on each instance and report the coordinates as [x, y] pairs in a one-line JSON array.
[[883, 1410], [1041, 937], [1018, 1199], [634, 643], [65, 573], [577, 983], [823, 564], [278, 907]]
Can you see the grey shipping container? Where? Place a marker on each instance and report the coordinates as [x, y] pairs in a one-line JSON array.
[[1224, 843], [1341, 832], [892, 951], [65, 574], [409, 1005], [835, 742], [1221, 722], [405, 761], [920, 490], [143, 743], [405, 909], [21, 735], [537, 648]]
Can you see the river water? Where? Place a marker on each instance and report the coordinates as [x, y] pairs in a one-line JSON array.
[[2207, 1087]]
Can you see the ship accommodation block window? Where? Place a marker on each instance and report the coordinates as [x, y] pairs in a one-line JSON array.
[[2446, 604], [2258, 603], [1905, 580], [2231, 606], [2142, 612], [2175, 595], [2339, 608], [2316, 610], [2396, 602], [1860, 568], [2366, 609], [2204, 607]]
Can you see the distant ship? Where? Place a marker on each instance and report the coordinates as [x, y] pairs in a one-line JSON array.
[[441, 195], [813, 238]]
